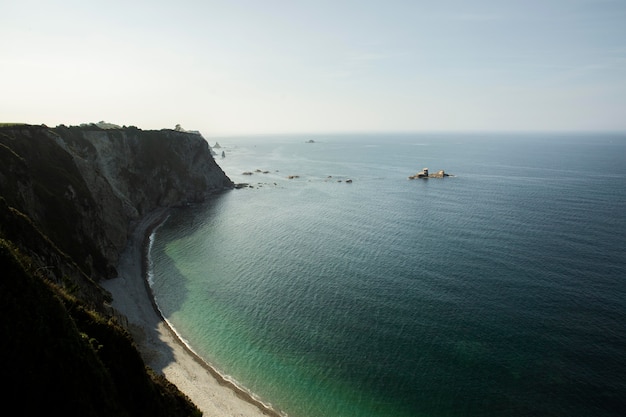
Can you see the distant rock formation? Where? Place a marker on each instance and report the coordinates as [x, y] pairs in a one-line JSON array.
[[439, 174], [425, 174]]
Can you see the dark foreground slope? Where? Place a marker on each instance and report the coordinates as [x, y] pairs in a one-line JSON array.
[[68, 200]]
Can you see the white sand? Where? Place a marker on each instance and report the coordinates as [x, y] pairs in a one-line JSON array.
[[159, 346]]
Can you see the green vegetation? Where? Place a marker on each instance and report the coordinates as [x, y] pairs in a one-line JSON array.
[[65, 358], [12, 124]]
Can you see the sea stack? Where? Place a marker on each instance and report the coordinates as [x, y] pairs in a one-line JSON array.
[[425, 174]]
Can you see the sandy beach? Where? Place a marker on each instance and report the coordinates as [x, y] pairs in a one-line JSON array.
[[159, 346]]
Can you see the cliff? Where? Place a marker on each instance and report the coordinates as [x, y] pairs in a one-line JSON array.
[[84, 186], [69, 198]]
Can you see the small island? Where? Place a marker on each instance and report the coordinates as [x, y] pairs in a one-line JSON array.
[[424, 174]]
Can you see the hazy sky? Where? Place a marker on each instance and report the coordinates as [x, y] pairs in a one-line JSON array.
[[266, 66]]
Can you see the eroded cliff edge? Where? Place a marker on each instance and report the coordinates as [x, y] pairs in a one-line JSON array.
[[69, 199], [84, 186]]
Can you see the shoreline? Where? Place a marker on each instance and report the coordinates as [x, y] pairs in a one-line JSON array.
[[160, 346]]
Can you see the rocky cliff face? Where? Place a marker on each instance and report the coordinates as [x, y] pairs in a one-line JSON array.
[[69, 197], [84, 186]]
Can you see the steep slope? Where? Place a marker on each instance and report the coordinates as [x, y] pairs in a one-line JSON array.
[[84, 185], [69, 197], [62, 358]]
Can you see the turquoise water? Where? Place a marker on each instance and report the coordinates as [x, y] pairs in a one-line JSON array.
[[499, 291]]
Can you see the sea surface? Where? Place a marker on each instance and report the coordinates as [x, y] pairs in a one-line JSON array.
[[498, 291]]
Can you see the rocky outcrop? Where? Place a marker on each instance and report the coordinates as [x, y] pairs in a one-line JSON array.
[[85, 186], [426, 174], [439, 174]]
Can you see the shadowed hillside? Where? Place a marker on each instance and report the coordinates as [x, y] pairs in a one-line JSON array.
[[69, 197]]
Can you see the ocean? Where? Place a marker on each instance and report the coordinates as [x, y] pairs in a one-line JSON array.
[[497, 291]]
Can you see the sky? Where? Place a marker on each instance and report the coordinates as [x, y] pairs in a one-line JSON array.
[[268, 66]]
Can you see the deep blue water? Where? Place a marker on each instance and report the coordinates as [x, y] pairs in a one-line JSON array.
[[500, 291]]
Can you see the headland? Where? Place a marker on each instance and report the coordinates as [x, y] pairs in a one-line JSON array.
[[77, 204]]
